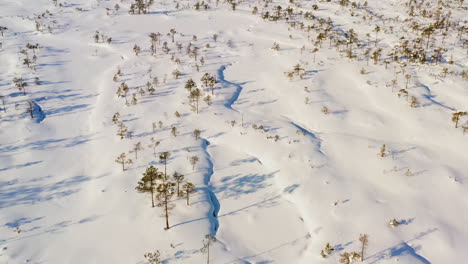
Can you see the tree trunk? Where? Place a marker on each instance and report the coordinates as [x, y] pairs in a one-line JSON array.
[[362, 252], [123, 165], [165, 205], [188, 193], [152, 197], [165, 173], [208, 253]]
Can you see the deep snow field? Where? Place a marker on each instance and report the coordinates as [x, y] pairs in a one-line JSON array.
[[286, 164]]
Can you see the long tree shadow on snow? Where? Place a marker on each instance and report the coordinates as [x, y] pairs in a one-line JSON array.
[[278, 247], [55, 228], [12, 195], [262, 204], [402, 249], [46, 144], [237, 185], [27, 164]]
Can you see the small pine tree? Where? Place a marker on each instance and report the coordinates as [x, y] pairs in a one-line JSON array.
[[193, 161], [196, 133], [176, 74], [456, 117], [136, 49], [414, 102], [179, 178], [394, 223], [122, 159], [187, 189], [116, 117], [195, 97], [207, 242], [122, 131], [190, 84], [327, 250], [383, 151], [153, 145], [137, 147], [364, 239], [153, 258], [345, 258], [465, 128], [174, 131], [325, 110], [207, 99]]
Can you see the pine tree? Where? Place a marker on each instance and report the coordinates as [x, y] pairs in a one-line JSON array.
[[383, 151], [190, 84], [195, 97], [188, 188], [327, 250], [193, 161], [179, 178], [122, 159], [196, 133], [2, 29], [163, 157], [165, 193], [136, 49], [116, 117], [176, 74], [20, 84], [456, 117], [154, 144], [207, 99], [122, 131], [173, 32], [207, 242], [345, 258], [174, 131], [414, 102], [137, 147], [154, 40], [147, 183], [364, 238], [153, 258]]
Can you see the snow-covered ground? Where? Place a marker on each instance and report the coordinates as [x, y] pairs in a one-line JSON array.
[[285, 165]]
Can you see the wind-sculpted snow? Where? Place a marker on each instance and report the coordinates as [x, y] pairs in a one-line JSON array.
[[307, 137]]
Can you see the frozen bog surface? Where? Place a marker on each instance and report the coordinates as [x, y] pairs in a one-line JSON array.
[[294, 124]]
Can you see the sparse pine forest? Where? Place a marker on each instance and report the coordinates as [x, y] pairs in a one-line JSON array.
[[233, 131]]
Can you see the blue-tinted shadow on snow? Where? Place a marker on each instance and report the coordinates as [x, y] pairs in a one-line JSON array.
[[402, 249], [27, 164], [55, 228], [46, 144], [244, 260], [16, 194]]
